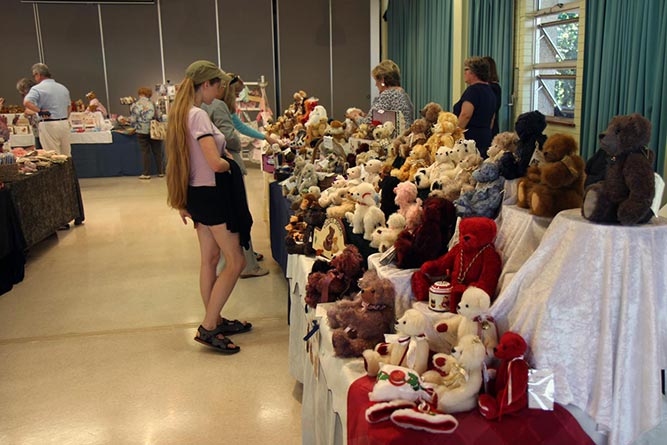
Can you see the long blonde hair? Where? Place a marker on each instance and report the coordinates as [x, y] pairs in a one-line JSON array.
[[178, 154]]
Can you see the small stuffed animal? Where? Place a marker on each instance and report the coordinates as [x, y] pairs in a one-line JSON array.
[[626, 194], [420, 157], [473, 318], [346, 269], [409, 205], [408, 347], [511, 385], [474, 261], [367, 215], [443, 167], [385, 237], [387, 185], [469, 354], [505, 142], [372, 170], [430, 238], [560, 184], [422, 182], [430, 112], [529, 127], [486, 198], [361, 323]]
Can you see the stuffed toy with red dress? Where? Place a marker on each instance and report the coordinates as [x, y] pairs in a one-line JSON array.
[[511, 386], [474, 261]]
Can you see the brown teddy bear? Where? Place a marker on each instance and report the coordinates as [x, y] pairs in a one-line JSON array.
[[430, 112], [361, 323], [626, 194], [346, 269], [558, 184], [419, 157]]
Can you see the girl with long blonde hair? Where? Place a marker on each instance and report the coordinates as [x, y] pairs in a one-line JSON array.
[[205, 185]]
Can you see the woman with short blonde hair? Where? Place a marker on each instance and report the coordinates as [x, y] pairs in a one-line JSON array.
[[392, 97]]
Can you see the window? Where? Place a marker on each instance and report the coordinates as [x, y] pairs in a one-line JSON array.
[[555, 58]]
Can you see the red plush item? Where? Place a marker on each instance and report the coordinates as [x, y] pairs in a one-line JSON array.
[[511, 386], [534, 426], [430, 238], [474, 261]]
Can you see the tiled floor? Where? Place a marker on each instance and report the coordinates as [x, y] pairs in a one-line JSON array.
[[96, 343]]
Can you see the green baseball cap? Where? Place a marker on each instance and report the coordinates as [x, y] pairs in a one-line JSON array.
[[203, 70]]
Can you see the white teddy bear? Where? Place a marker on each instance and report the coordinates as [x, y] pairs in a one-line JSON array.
[[473, 318], [469, 354], [367, 215], [385, 237], [407, 348], [372, 171], [444, 166], [354, 175]]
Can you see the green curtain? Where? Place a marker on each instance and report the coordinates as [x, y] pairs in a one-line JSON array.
[[420, 42], [625, 69], [491, 33]]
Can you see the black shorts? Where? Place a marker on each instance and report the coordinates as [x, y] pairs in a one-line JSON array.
[[207, 205]]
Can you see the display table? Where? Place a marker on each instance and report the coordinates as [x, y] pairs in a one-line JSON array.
[[12, 244], [519, 234], [91, 137], [122, 157], [591, 302], [46, 200], [279, 214]]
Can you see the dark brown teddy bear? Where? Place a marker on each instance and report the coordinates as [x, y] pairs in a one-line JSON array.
[[626, 194], [361, 323], [340, 280], [558, 184]]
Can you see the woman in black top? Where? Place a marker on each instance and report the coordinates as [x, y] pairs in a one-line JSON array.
[[495, 86], [477, 105]]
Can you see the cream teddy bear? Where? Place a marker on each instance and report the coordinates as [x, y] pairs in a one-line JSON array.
[[371, 173], [407, 348], [385, 237], [473, 318], [469, 354], [367, 215]]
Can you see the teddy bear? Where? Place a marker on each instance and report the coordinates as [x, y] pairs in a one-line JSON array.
[[485, 200], [472, 318], [443, 166], [505, 142], [327, 196], [430, 239], [361, 323], [469, 356], [367, 215], [387, 185], [560, 179], [529, 127], [445, 370], [445, 132], [371, 173], [408, 347], [384, 237], [510, 393], [362, 131], [341, 279], [626, 194], [340, 204], [473, 261], [384, 131], [423, 183], [313, 216], [468, 160], [420, 157], [430, 112], [409, 205]]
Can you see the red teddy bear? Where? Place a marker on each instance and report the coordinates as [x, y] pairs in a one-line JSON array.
[[511, 387], [472, 262]]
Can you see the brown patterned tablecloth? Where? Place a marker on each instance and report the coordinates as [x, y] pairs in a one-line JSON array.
[[46, 200]]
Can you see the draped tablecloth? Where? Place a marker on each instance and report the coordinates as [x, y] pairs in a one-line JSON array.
[[519, 234], [298, 268], [400, 278], [592, 304]]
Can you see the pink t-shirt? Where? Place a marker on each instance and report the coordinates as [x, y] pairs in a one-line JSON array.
[[199, 126]]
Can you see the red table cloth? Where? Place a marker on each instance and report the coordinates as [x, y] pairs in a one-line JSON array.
[[530, 427]]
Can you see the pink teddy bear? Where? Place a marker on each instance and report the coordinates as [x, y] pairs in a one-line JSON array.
[[408, 204]]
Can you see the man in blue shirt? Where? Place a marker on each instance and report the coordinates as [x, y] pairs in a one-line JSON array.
[[52, 101]]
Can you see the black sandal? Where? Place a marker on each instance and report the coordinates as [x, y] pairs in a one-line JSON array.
[[232, 327], [210, 339]]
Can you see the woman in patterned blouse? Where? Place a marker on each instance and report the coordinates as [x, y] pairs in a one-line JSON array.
[[392, 97], [141, 114]]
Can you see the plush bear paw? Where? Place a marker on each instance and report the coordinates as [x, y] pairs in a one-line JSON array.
[[590, 202], [487, 406], [371, 362]]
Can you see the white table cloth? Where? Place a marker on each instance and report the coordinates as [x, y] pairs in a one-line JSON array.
[[91, 137], [592, 304], [400, 278], [298, 268], [519, 234]]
